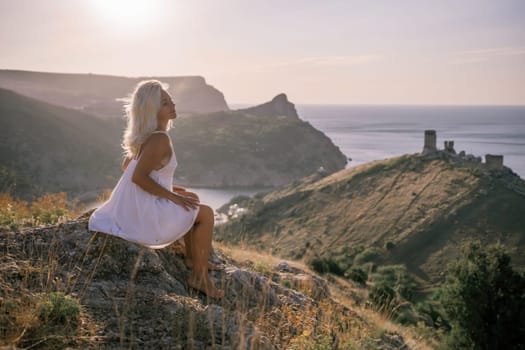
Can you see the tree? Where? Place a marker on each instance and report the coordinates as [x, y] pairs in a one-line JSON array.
[[484, 299]]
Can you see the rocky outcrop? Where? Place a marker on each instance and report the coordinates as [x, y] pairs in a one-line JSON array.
[[265, 146], [278, 106], [133, 297], [102, 95]]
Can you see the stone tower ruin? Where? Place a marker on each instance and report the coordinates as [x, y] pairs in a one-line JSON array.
[[449, 147], [430, 141], [494, 161]]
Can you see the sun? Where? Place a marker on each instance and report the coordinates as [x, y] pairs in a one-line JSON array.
[[126, 13]]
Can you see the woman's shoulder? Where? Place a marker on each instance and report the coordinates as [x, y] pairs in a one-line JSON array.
[[158, 139], [159, 135]]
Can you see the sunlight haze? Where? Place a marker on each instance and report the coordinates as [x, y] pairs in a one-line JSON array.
[[333, 52]]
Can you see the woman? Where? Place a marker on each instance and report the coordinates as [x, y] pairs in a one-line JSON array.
[[145, 207]]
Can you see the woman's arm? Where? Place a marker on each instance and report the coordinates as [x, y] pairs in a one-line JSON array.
[[153, 151], [178, 188]]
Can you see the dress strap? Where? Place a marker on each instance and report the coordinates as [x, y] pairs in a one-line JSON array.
[[159, 131]]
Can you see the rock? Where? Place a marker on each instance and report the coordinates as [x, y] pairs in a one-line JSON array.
[[278, 106], [134, 297], [283, 266]]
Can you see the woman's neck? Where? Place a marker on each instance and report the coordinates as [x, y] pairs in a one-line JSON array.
[[162, 126]]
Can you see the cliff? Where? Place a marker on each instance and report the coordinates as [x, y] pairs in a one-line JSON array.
[[101, 95], [414, 210], [264, 146], [63, 287]]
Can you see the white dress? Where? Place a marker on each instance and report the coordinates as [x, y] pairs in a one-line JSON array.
[[138, 216]]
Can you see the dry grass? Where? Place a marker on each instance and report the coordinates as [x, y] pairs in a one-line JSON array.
[[363, 323], [30, 288], [48, 209], [35, 310], [242, 254]]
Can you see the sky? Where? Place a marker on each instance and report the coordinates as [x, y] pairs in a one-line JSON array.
[[435, 52]]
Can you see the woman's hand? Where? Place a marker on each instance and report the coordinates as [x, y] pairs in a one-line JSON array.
[[191, 195], [184, 201], [182, 191]]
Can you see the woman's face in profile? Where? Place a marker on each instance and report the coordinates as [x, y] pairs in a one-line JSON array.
[[167, 107]]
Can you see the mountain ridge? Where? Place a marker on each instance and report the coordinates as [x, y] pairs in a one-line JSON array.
[[100, 94]]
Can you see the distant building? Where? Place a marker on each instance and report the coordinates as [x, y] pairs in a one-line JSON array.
[[449, 147], [430, 141], [492, 161]]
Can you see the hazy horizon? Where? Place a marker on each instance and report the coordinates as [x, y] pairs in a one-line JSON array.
[[354, 52]]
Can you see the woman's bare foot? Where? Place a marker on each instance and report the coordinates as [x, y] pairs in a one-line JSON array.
[[206, 286], [212, 267]]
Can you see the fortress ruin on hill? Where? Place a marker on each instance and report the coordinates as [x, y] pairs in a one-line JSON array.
[[491, 161]]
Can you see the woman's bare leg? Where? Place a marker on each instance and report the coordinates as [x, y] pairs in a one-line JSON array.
[[188, 258], [188, 237], [200, 243]]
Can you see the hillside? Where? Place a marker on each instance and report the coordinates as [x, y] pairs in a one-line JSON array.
[[413, 210], [241, 149], [64, 287], [45, 148], [100, 94]]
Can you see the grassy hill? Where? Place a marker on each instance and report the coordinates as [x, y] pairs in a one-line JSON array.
[[414, 210], [45, 148]]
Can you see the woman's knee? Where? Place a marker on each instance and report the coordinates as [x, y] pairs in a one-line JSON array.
[[206, 213]]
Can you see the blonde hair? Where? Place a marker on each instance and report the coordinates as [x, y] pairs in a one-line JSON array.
[[141, 110]]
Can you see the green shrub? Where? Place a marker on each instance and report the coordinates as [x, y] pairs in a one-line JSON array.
[[435, 312], [326, 264], [398, 278], [318, 342], [484, 299], [382, 297], [406, 316], [59, 310], [334, 267], [389, 245], [368, 255], [357, 275], [319, 265], [8, 320]]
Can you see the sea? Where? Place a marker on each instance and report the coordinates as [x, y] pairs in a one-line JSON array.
[[365, 133]]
